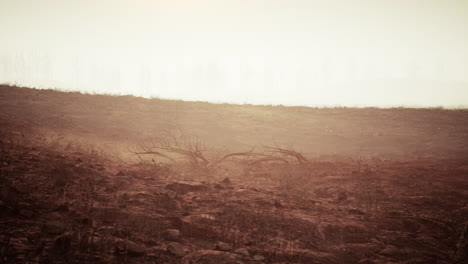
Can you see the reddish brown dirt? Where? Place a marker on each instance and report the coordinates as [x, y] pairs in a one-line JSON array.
[[64, 203]]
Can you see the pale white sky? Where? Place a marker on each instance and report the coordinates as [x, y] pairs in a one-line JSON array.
[[294, 52]]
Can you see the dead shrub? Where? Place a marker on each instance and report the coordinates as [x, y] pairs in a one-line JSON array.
[[368, 188]]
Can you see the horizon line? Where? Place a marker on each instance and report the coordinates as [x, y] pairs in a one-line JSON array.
[[320, 106]]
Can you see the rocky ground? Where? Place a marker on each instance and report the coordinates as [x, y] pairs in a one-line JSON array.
[[66, 206]]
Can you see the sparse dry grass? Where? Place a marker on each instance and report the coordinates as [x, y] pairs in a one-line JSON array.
[[289, 206]]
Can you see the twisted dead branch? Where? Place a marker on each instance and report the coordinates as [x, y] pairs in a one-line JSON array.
[[192, 149], [285, 153]]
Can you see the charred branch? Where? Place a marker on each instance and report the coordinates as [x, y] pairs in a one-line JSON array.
[[288, 153]]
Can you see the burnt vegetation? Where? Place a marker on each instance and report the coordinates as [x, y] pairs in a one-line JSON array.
[[102, 183]]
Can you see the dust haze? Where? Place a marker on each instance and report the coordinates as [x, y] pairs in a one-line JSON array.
[[248, 132]]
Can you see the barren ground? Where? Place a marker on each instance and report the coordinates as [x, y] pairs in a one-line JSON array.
[[377, 186]]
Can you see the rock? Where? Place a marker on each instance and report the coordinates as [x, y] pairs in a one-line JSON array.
[[342, 197], [53, 228], [24, 205], [183, 188], [212, 257], [462, 243], [23, 188], [259, 257], [171, 194], [426, 239], [202, 219], [355, 211], [278, 204], [226, 181], [130, 248], [134, 249], [172, 234], [242, 251], [121, 173], [223, 246], [218, 186], [26, 213], [62, 207], [56, 216], [176, 249], [366, 261], [389, 251], [86, 221], [106, 229]]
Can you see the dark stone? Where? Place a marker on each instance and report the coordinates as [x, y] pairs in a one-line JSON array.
[[130, 248], [176, 249], [390, 251], [172, 234], [223, 246], [62, 208], [26, 213], [242, 251], [226, 181], [133, 249], [53, 228]]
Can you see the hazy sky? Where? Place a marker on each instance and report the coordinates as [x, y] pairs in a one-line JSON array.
[[294, 52]]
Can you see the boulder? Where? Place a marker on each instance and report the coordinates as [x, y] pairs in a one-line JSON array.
[[130, 248], [242, 251], [223, 246], [389, 250], [135, 249], [176, 249], [172, 234]]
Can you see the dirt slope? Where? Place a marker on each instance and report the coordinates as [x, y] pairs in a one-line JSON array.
[[64, 200], [118, 122]]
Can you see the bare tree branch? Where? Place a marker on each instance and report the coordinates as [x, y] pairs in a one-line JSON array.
[[288, 152], [267, 159], [235, 154]]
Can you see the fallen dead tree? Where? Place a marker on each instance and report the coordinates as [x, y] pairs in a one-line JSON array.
[[288, 153], [265, 161], [192, 149]]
